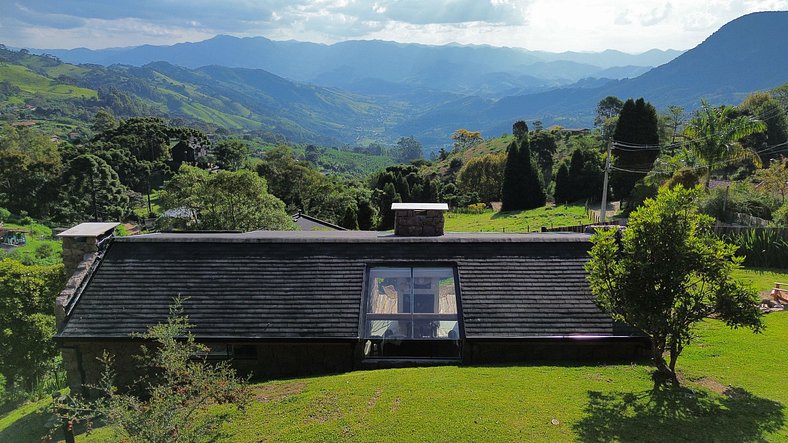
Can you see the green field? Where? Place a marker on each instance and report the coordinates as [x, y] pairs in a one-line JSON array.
[[41, 248], [762, 279], [731, 391], [517, 221], [31, 83]]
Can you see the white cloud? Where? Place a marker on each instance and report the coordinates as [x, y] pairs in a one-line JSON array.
[[554, 25]]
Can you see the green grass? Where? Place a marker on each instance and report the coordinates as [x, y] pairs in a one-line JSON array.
[[731, 391], [40, 249], [32, 83], [762, 279], [519, 221]]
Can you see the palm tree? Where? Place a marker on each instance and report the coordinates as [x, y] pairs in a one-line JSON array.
[[714, 134]]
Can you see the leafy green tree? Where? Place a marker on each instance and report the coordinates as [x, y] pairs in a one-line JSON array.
[[27, 323], [668, 272], [714, 135], [543, 147], [522, 186], [30, 168], [408, 148], [483, 175], [388, 196], [178, 404], [92, 191], [350, 220], [637, 125], [607, 108], [231, 154], [764, 107], [103, 121], [226, 200], [775, 177]]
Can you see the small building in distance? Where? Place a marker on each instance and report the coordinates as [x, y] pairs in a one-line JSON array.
[[287, 303]]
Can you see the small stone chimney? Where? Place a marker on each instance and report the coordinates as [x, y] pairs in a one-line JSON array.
[[419, 219], [81, 246]]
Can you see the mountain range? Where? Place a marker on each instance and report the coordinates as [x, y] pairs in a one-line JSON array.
[[464, 69], [356, 92]]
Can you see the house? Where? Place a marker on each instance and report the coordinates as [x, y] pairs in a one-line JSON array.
[[307, 302], [12, 237]]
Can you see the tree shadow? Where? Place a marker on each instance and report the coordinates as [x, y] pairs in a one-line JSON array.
[[507, 214], [670, 412]]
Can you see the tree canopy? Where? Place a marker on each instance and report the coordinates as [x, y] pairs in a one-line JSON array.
[[667, 272], [637, 126], [522, 187]]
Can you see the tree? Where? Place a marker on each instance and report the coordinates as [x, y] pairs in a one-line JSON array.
[[92, 191], [178, 403], [464, 139], [483, 175], [637, 126], [775, 177], [563, 190], [103, 121], [230, 154], [764, 107], [409, 148], [543, 147], [237, 201], [714, 135], [522, 188], [608, 107], [27, 324], [667, 272], [30, 168], [519, 129], [350, 219]]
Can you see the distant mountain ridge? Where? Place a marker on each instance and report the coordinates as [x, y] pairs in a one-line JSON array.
[[448, 68]]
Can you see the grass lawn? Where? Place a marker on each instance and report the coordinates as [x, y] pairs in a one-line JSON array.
[[732, 390], [763, 279], [40, 249], [517, 221]]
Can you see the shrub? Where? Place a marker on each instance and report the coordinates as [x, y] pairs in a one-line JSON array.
[[5, 215]]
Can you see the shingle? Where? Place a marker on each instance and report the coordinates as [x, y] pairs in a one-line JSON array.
[[281, 289]]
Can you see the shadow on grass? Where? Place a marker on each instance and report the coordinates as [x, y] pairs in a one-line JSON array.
[[670, 412], [507, 214]]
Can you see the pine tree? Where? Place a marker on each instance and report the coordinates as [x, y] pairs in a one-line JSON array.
[[522, 188], [637, 125], [563, 185]]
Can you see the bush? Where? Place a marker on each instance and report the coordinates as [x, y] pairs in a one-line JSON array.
[[723, 203], [780, 216], [5, 215], [762, 248]]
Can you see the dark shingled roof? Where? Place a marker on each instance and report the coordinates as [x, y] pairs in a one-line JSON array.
[[299, 285]]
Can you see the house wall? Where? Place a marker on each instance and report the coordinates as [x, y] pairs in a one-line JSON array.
[[83, 366], [512, 351]]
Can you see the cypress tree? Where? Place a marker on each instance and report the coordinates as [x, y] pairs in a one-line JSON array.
[[350, 219], [637, 124], [563, 185], [522, 188], [532, 189]]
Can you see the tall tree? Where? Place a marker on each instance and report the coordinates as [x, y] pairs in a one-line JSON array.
[[608, 107], [714, 135], [519, 129], [92, 191], [638, 128], [668, 273], [764, 107], [522, 187], [543, 147]]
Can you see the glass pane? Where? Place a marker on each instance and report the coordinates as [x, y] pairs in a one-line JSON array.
[[389, 291], [388, 329]]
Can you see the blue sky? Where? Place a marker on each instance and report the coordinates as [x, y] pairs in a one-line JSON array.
[[551, 25]]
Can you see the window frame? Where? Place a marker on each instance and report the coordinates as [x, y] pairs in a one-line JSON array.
[[365, 316]]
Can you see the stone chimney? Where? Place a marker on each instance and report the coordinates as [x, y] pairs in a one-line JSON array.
[[81, 246], [419, 219]]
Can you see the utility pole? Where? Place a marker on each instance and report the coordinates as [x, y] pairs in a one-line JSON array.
[[603, 210]]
